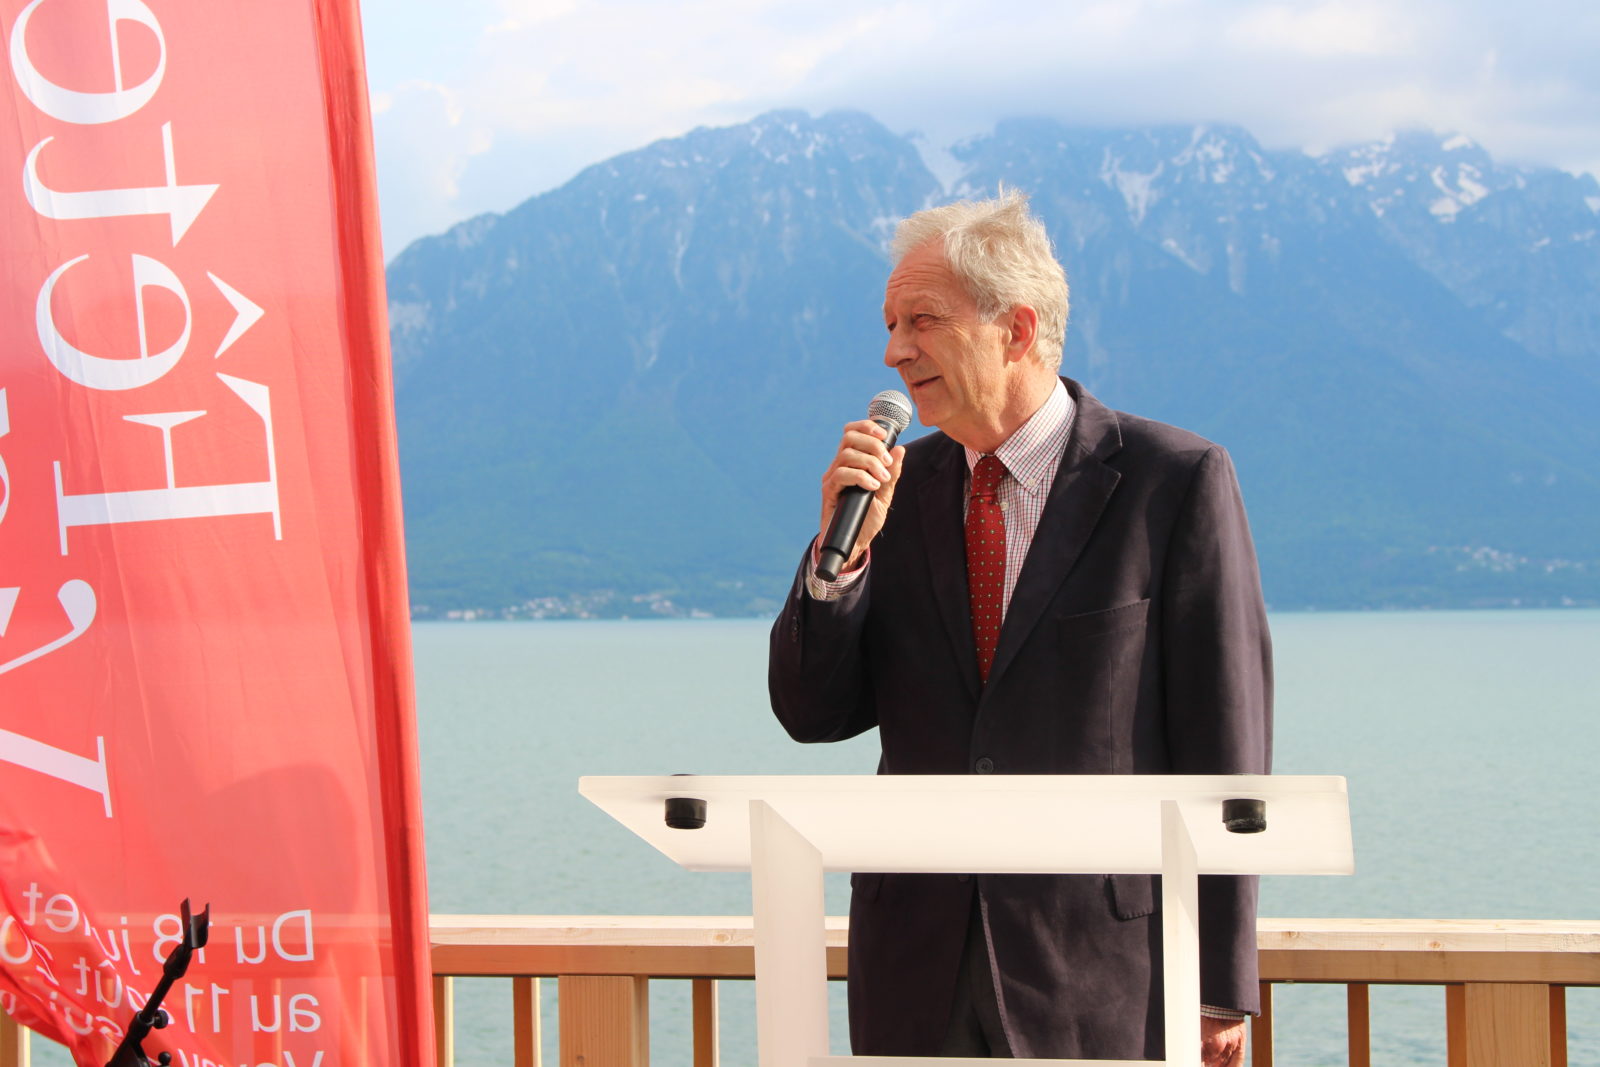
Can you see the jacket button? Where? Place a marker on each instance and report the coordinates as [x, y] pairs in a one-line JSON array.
[[985, 765]]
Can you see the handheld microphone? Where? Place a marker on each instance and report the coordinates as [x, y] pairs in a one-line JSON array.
[[892, 410]]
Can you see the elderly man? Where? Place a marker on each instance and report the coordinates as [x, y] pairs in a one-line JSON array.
[[1045, 586]]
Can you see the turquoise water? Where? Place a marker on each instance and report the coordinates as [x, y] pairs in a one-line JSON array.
[[1468, 740]]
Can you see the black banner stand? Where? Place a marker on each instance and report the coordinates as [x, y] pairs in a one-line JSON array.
[[130, 1052]]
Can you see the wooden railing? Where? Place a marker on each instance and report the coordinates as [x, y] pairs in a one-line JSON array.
[[1505, 981]]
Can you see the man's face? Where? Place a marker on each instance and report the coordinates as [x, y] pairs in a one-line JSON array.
[[953, 363]]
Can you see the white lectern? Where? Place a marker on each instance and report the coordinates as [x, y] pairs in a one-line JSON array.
[[787, 830]]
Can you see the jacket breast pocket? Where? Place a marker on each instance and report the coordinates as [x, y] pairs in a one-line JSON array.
[[1094, 623]]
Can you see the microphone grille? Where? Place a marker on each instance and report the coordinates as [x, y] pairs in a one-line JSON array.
[[893, 407]]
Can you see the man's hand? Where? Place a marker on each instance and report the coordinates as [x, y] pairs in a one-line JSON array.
[[1222, 1042], [863, 461]]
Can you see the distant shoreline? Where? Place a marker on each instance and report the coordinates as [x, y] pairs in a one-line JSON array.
[[489, 615]]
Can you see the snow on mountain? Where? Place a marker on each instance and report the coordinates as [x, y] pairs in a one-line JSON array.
[[941, 162], [1417, 171], [1134, 186]]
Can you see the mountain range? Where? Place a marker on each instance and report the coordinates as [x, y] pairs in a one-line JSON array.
[[619, 397]]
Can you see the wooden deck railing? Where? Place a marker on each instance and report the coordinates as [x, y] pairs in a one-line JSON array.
[[1505, 981]]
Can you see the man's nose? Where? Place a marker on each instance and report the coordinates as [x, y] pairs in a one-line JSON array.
[[899, 350]]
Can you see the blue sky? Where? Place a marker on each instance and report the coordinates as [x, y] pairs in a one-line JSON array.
[[480, 104]]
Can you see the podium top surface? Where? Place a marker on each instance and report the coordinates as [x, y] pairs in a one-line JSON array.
[[1017, 824]]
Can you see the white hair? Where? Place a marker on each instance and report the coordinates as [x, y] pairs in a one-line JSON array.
[[1003, 257]]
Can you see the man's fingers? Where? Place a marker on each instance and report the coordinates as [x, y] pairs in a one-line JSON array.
[[849, 463], [1222, 1054], [868, 427], [871, 462], [841, 478], [1221, 1043], [861, 451], [865, 444]]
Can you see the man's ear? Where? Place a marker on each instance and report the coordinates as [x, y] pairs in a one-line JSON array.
[[1022, 324]]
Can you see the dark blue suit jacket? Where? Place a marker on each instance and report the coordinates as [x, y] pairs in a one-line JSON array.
[[1135, 643]]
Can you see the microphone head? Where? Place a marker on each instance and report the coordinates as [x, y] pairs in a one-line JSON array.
[[893, 407]]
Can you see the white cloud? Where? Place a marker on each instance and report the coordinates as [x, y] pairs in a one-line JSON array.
[[425, 140], [520, 14], [555, 85], [1338, 28], [640, 64]]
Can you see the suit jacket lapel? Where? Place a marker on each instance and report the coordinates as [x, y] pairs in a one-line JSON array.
[[942, 530], [1078, 497]]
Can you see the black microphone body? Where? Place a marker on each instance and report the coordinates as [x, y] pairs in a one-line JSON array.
[[891, 410]]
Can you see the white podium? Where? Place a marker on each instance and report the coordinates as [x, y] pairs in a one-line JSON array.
[[787, 830]]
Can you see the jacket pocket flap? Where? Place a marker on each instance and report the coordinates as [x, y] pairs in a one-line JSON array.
[[1132, 895]]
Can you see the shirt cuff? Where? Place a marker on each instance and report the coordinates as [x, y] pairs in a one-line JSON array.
[[823, 590], [1210, 1012]]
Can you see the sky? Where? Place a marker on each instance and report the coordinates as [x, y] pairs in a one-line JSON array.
[[480, 104]]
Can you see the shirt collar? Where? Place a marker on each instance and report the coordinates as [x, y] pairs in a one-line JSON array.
[[1031, 453]]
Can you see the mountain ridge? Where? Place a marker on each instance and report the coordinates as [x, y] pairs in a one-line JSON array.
[[631, 383]]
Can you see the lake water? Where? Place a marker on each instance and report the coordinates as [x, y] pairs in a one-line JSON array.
[[1468, 740]]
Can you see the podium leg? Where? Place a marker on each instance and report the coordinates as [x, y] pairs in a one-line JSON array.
[[791, 947], [1180, 938]]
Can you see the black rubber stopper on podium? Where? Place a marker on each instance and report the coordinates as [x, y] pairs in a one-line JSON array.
[[1242, 816], [686, 813]]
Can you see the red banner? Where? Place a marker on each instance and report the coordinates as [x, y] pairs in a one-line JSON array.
[[204, 651]]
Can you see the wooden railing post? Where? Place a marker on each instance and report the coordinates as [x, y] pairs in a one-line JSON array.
[[444, 1021], [1493, 1024], [1455, 1025], [706, 1052], [1358, 1023], [1558, 1026], [13, 1043], [604, 1020], [1261, 1031], [526, 1036]]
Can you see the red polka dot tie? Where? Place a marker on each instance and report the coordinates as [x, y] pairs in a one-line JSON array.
[[986, 559]]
